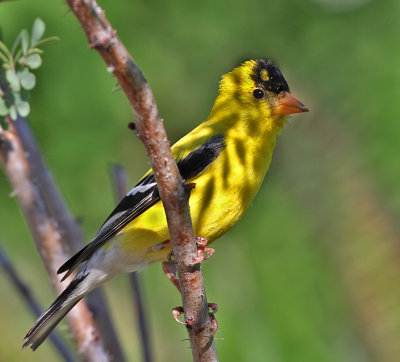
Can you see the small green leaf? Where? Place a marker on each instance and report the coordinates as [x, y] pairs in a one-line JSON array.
[[27, 79], [3, 108], [47, 41], [23, 108], [37, 31], [16, 97], [3, 58], [35, 51], [24, 95], [33, 61], [4, 49], [16, 43], [17, 55], [20, 101], [24, 41], [13, 80], [13, 113]]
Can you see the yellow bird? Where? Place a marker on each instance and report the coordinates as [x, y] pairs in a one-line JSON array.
[[226, 157]]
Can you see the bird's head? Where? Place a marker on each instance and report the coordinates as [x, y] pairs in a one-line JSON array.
[[259, 84]]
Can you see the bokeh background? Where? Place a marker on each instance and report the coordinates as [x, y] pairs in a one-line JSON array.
[[312, 272]]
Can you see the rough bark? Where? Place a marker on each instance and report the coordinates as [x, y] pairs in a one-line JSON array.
[[173, 192], [17, 167]]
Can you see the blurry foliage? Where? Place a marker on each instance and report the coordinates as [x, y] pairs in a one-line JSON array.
[[17, 63], [284, 286]]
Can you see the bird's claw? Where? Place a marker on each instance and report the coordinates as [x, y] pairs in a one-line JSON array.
[[169, 257], [214, 322], [177, 311], [202, 249], [169, 269], [213, 307]]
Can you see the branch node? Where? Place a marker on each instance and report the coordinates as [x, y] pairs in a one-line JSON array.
[[190, 186], [132, 126], [101, 41], [187, 188], [190, 322]]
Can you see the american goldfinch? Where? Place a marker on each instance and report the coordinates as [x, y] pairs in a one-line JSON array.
[[226, 157]]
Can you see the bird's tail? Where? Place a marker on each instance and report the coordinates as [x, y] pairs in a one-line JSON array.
[[53, 315]]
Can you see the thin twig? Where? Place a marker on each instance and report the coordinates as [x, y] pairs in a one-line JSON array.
[[97, 303], [120, 186], [69, 229], [173, 192], [143, 326], [71, 234], [17, 167], [32, 303]]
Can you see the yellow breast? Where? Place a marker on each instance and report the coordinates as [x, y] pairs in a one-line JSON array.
[[225, 189]]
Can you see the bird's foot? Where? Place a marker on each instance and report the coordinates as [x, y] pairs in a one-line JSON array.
[[177, 311], [202, 249], [169, 269], [214, 322]]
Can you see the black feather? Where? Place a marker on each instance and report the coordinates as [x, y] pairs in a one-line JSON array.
[[197, 161], [143, 196], [71, 261], [48, 319], [276, 82]]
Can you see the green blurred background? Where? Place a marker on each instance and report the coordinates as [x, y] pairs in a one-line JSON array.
[[311, 273]]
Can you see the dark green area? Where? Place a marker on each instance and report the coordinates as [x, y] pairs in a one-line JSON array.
[[279, 289]]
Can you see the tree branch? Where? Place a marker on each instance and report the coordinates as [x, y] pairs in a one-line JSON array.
[[173, 192], [17, 167], [32, 303], [70, 232], [69, 229]]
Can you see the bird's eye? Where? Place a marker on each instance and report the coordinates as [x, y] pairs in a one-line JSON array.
[[258, 93]]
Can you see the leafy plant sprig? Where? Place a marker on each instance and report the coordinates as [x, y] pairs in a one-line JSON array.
[[17, 63]]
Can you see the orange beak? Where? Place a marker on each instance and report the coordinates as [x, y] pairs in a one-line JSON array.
[[287, 104]]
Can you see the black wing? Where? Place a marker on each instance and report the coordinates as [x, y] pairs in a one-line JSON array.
[[143, 196]]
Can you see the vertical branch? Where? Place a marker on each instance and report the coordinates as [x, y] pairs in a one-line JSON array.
[[32, 303], [140, 315], [14, 158], [97, 302], [69, 229], [70, 232], [172, 190], [119, 178]]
